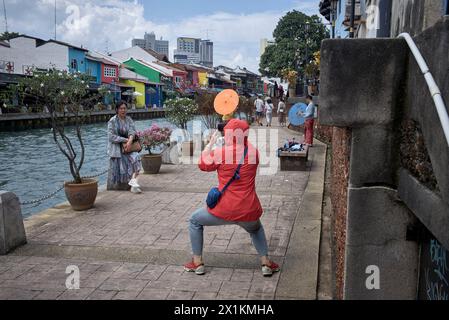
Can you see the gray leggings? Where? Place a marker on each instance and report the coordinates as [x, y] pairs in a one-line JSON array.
[[201, 218]]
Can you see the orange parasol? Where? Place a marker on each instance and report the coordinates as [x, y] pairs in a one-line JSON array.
[[226, 102]]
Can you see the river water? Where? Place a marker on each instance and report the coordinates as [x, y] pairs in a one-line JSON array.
[[32, 166]]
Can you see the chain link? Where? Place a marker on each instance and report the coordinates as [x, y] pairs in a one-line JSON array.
[[53, 194], [38, 201]]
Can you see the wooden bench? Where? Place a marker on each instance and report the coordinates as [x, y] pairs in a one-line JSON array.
[[294, 160]]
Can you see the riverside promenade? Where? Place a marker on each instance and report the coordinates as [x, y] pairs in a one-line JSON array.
[[133, 246]]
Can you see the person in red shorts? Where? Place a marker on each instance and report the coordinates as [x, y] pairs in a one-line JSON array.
[[309, 117]]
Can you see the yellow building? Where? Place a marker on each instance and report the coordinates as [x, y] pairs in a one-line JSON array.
[[203, 79], [140, 89]]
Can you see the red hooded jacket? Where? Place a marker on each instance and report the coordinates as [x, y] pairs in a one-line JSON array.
[[239, 202]]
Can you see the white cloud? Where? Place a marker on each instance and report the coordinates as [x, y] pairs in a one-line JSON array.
[[113, 24]]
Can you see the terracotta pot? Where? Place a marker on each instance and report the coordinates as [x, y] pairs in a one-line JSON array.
[[81, 196], [151, 163]]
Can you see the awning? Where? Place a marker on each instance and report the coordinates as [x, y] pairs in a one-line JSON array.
[[123, 85]]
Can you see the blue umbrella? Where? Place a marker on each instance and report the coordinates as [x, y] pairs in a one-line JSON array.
[[293, 116]]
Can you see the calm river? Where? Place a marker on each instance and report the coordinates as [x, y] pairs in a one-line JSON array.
[[31, 166]]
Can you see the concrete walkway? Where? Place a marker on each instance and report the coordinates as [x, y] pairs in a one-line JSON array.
[[134, 246]]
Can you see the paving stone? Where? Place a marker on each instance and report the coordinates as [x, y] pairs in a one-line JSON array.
[[153, 294], [151, 272], [79, 294], [123, 284], [48, 295], [223, 274], [235, 287], [126, 295], [17, 294], [128, 270], [205, 296], [242, 275], [180, 295], [102, 295]]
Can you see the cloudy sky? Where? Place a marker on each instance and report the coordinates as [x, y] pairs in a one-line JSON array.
[[235, 26]]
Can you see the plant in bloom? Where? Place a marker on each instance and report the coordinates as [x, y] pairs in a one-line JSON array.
[[290, 75], [154, 137], [180, 111]]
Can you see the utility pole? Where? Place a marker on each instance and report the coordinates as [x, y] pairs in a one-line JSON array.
[[55, 19], [6, 16], [351, 30]]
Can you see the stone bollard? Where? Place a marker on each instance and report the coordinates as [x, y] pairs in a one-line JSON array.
[[12, 230]]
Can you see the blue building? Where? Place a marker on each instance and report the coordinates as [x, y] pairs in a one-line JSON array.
[[77, 59], [93, 68]]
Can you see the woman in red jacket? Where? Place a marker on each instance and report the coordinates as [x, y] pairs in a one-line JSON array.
[[239, 204]]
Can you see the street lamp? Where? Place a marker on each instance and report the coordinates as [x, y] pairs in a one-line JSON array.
[[306, 85], [351, 30], [334, 4]]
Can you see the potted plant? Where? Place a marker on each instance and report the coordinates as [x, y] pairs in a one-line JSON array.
[[292, 77], [180, 111], [153, 138], [66, 97]]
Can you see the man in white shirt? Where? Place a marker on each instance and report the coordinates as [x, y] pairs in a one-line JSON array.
[[259, 104]]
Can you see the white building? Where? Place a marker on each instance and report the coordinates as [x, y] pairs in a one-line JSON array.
[[264, 44], [186, 57], [134, 52], [24, 54], [194, 51], [149, 42]]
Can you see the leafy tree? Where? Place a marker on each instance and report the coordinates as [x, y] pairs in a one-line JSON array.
[[8, 36], [297, 36], [64, 96]]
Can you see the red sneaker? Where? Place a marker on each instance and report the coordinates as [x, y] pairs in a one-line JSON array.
[[192, 267], [268, 271]]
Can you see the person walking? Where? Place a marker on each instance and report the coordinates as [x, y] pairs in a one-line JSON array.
[[281, 92], [309, 117], [259, 104], [269, 111], [124, 165], [281, 112], [239, 203]]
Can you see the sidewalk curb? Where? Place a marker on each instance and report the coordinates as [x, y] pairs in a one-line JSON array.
[[299, 276]]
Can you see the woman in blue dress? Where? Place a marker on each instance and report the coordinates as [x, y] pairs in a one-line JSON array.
[[124, 167]]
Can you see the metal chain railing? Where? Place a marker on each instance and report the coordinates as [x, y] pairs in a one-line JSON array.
[[37, 202]]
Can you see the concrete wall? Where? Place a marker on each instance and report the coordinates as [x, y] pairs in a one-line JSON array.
[[368, 103], [434, 45], [384, 200], [414, 16]]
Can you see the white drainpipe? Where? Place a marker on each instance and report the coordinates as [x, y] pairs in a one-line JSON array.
[[433, 87]]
